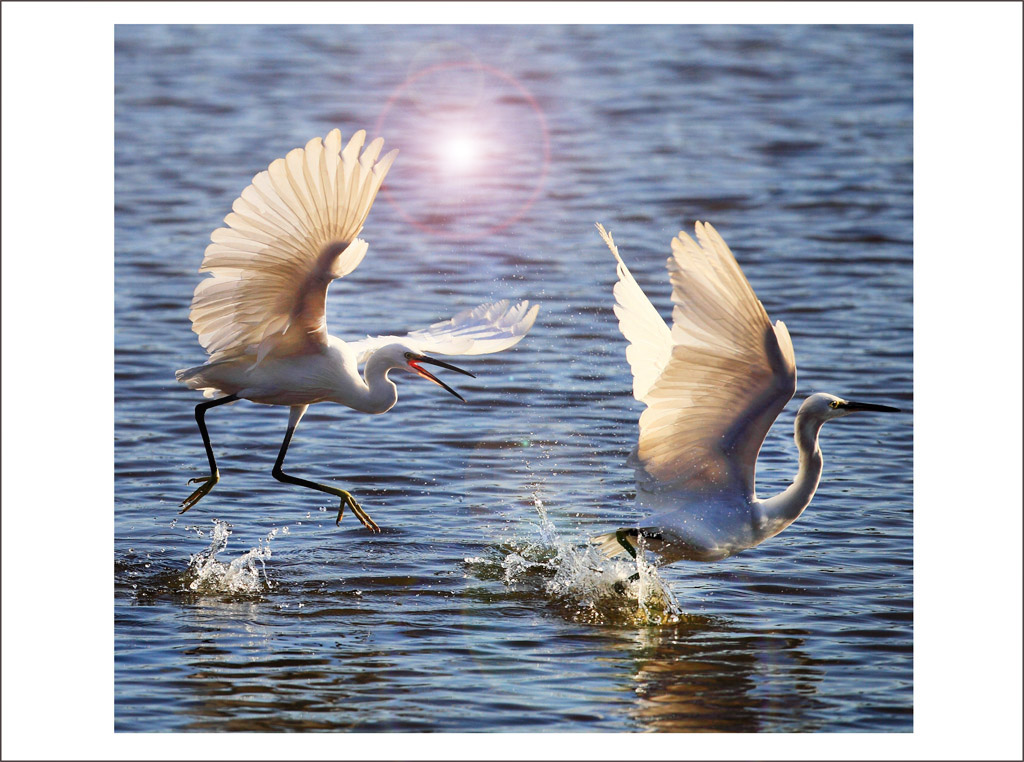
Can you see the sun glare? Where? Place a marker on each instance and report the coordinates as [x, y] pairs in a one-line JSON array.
[[460, 153]]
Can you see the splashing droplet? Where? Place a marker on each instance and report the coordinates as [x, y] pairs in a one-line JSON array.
[[246, 574], [581, 582]]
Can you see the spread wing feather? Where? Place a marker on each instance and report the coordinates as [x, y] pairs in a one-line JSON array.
[[716, 382], [290, 233], [488, 328], [650, 341]]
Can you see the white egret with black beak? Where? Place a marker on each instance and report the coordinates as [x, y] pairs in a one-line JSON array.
[[713, 384]]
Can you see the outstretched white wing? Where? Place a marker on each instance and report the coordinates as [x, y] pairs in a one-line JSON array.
[[721, 379], [488, 328], [291, 232], [650, 341]]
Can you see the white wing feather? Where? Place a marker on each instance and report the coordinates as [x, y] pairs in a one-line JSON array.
[[291, 232], [482, 330], [728, 373], [650, 341]]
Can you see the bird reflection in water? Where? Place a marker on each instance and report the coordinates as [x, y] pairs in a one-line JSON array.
[[705, 675]]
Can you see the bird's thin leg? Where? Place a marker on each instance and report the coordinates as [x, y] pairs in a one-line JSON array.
[[206, 482], [620, 536], [620, 587], [294, 417]]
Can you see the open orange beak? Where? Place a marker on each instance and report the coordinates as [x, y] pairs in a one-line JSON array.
[[415, 361]]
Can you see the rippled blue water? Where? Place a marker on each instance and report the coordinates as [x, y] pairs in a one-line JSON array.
[[794, 141]]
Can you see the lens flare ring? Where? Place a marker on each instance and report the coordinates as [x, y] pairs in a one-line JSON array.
[[464, 150]]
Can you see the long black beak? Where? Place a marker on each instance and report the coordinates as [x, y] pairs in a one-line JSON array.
[[414, 364], [855, 407]]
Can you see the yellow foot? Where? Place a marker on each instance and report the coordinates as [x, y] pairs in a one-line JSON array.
[[347, 499], [206, 483]]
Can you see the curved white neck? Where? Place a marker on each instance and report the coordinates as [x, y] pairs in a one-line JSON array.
[[783, 509], [380, 394]]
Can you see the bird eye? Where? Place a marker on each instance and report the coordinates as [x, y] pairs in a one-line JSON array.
[[834, 404], [408, 355]]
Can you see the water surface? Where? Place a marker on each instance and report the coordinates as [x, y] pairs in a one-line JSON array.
[[473, 610]]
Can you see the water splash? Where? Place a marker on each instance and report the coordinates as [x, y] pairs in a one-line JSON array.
[[581, 582], [245, 575]]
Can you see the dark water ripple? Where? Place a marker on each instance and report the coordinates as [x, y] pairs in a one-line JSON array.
[[794, 141]]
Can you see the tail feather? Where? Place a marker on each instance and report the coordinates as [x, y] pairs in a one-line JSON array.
[[193, 378]]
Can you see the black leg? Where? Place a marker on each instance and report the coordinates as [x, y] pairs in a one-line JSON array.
[[346, 498], [620, 587], [621, 537], [206, 482]]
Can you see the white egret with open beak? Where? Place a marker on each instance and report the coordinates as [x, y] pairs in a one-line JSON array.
[[261, 314]]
